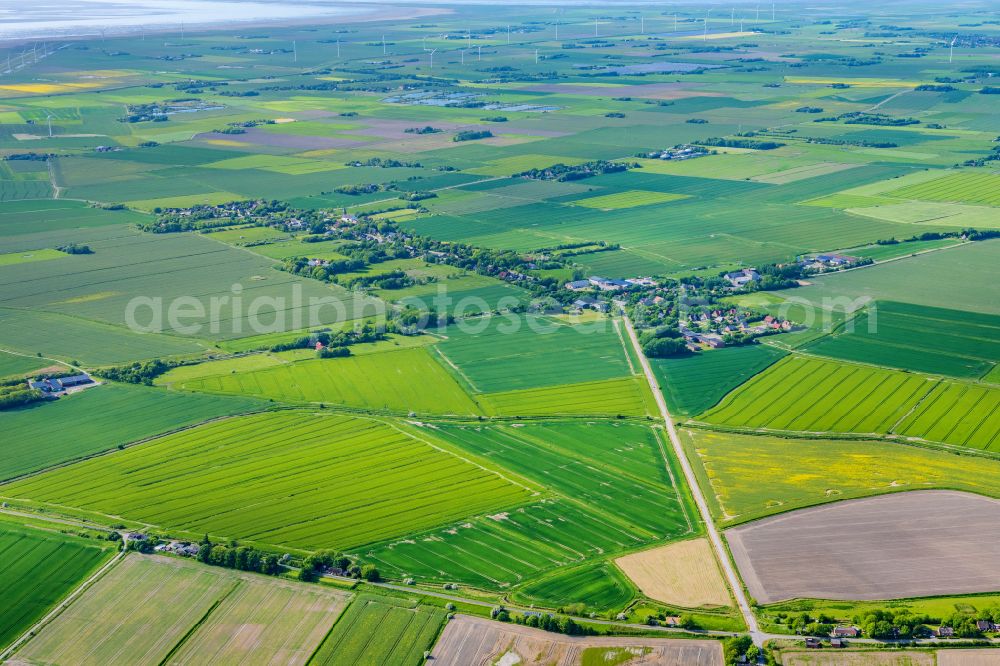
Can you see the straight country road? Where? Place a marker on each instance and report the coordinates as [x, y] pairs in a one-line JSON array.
[[713, 533]]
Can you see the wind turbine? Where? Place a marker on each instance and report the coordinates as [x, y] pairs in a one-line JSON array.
[[295, 52], [431, 51], [338, 47], [757, 20], [642, 25], [508, 35], [732, 18], [951, 49], [536, 56], [705, 38], [383, 44], [675, 22], [772, 11], [48, 117], [480, 56]]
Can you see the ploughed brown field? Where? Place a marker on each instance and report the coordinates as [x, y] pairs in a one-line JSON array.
[[472, 641], [913, 544]]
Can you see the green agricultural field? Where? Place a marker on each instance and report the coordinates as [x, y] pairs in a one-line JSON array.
[[693, 384], [101, 286], [958, 414], [811, 395], [510, 352], [38, 567], [600, 587], [752, 476], [158, 610], [368, 481], [408, 380], [963, 187], [228, 366], [32, 217], [628, 199], [380, 630], [923, 339], [88, 342], [102, 418], [605, 501], [12, 365], [941, 279], [15, 258], [628, 396]]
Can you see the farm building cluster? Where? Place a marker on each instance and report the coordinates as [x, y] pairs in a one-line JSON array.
[[54, 387], [682, 151]]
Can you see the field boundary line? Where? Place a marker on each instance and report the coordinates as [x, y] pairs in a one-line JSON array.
[[455, 454], [934, 385], [736, 587], [458, 370], [893, 438]]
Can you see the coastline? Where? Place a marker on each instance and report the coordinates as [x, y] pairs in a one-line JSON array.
[[353, 13]]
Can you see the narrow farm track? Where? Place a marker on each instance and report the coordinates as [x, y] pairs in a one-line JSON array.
[[699, 497]]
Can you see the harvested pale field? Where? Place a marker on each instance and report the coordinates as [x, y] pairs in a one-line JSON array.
[[681, 574], [912, 544], [968, 657], [473, 641], [863, 658], [156, 610]]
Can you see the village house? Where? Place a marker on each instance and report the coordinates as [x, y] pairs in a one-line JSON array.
[[812, 643], [944, 632], [846, 632], [587, 302], [740, 279], [578, 285]]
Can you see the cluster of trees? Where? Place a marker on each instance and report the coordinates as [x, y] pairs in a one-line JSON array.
[[15, 393], [881, 119], [893, 623], [739, 646], [472, 135], [560, 624], [136, 373], [739, 143], [804, 623], [358, 189], [367, 332], [75, 248], [663, 342], [809, 109], [564, 172], [864, 143], [385, 162], [314, 565], [234, 556], [426, 129]]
